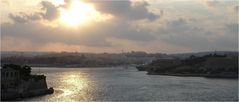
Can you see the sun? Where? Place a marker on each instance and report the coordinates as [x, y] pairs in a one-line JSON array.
[[78, 13]]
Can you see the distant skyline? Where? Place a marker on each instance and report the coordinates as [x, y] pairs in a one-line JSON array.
[[167, 26]]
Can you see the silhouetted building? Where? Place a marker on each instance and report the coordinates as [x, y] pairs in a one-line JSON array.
[[9, 77]]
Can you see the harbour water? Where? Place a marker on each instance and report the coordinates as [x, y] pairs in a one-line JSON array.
[[120, 84]]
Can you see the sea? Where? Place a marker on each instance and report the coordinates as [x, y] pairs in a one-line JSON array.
[[128, 84]]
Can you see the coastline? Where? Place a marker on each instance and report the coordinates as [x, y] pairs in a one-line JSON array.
[[72, 66], [209, 66], [197, 75]]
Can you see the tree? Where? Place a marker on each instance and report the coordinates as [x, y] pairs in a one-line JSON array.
[[25, 71]]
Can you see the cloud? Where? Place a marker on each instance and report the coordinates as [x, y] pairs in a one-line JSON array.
[[181, 32], [132, 27], [175, 26], [17, 18], [51, 11], [93, 35], [125, 9], [42, 34], [23, 17]]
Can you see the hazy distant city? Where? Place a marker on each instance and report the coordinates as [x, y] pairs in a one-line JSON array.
[[77, 59]]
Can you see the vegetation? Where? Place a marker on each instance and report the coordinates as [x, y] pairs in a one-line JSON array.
[[25, 72]]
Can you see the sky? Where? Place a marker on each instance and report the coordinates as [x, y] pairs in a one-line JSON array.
[[167, 26]]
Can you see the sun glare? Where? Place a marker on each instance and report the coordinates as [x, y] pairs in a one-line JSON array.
[[80, 12], [77, 13]]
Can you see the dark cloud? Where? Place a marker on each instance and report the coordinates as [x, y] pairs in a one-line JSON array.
[[17, 18], [51, 11], [125, 9], [23, 17]]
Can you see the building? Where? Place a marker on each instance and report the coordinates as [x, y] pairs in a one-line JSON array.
[[18, 82], [9, 77]]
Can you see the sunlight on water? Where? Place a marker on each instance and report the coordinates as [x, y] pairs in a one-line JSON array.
[[74, 80], [72, 85]]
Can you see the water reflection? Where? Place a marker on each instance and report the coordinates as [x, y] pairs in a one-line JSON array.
[[72, 85]]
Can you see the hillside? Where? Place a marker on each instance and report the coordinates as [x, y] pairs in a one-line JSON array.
[[208, 66]]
